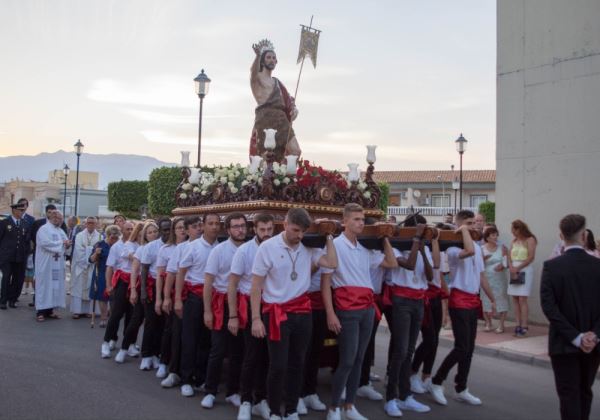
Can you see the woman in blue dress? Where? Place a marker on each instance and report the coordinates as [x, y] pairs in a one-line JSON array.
[[99, 257]]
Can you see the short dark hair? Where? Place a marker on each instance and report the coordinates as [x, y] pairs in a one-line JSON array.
[[263, 218], [191, 220], [234, 216], [413, 219], [488, 231], [162, 220], [23, 200], [50, 207], [204, 217], [571, 225], [299, 216], [464, 215]]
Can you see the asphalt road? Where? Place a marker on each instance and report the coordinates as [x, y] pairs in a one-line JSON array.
[[53, 370]]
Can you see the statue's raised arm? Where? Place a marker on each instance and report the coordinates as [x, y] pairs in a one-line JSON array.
[[275, 107]]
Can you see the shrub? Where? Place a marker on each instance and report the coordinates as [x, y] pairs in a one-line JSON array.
[[127, 197]]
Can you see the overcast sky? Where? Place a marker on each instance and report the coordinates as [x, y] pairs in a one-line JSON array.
[[409, 76]]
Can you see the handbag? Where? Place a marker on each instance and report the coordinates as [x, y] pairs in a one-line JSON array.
[[519, 279]]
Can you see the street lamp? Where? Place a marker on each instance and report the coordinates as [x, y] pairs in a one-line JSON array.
[[455, 186], [201, 83], [78, 150], [461, 147], [66, 171]]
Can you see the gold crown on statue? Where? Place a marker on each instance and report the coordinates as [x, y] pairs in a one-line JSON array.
[[265, 45]]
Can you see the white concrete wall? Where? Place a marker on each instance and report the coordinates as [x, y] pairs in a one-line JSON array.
[[548, 118]]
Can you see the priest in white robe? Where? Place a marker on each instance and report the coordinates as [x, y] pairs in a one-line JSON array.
[[82, 269], [51, 245]]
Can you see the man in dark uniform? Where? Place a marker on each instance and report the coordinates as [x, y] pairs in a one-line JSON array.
[[14, 248]]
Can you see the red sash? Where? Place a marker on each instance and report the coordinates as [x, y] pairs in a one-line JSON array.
[[197, 289], [432, 292], [278, 313], [316, 301], [242, 301], [351, 298], [463, 300], [386, 296], [217, 305], [408, 292], [150, 283], [120, 275]]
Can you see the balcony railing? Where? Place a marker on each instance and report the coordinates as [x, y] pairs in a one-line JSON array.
[[425, 211]]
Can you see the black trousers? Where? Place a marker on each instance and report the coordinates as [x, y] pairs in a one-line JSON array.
[[165, 339], [119, 308], [311, 365], [286, 361], [574, 376], [153, 328], [13, 275], [369, 359], [223, 343], [388, 312], [464, 328], [173, 342], [427, 350], [133, 327], [408, 315], [253, 379], [195, 342]]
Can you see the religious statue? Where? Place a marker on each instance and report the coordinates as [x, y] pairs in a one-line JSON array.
[[275, 109]]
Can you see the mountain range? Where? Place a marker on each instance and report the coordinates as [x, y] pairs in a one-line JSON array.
[[111, 167]]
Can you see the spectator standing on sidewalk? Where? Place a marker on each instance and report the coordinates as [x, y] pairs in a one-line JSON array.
[[495, 258]]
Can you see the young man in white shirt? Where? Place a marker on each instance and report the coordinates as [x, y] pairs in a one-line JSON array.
[[217, 315], [467, 276], [253, 379], [352, 316], [193, 228], [282, 268], [189, 306]]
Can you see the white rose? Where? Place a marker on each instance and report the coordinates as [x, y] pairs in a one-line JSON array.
[[233, 190], [204, 192], [223, 180], [277, 182], [183, 196], [286, 180], [367, 194], [275, 166], [196, 189], [230, 185], [260, 180], [244, 183], [236, 173], [187, 186], [231, 176]]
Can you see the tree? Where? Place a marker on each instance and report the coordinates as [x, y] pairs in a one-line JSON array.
[[385, 196], [488, 209], [127, 197]]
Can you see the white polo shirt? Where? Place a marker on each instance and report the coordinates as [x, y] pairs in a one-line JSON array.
[[315, 281], [354, 263], [465, 274], [415, 279], [164, 255], [150, 255], [114, 255], [173, 263], [242, 262], [377, 275], [274, 260], [194, 259], [138, 252], [219, 264]]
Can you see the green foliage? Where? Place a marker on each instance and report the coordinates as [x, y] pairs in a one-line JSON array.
[[385, 196], [127, 197], [162, 185], [488, 209]]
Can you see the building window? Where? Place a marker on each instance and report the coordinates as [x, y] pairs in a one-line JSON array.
[[477, 199], [440, 200]]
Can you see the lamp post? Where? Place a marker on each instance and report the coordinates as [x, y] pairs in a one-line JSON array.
[[66, 171], [201, 82], [455, 186], [78, 150], [461, 146]]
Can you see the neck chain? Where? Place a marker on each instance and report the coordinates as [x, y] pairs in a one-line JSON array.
[[294, 274]]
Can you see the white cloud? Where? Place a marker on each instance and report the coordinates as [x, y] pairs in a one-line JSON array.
[[351, 135], [169, 118]]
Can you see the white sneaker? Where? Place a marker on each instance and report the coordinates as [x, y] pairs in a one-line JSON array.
[[274, 417], [146, 363], [416, 385], [301, 407], [187, 390], [262, 410], [199, 388], [112, 344], [293, 416], [208, 401], [334, 414], [352, 414], [391, 409], [234, 399], [427, 384], [467, 397], [245, 411], [155, 362], [367, 391], [314, 403], [373, 377], [105, 350], [437, 392], [132, 351], [120, 357], [410, 404], [161, 372], [170, 381]]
